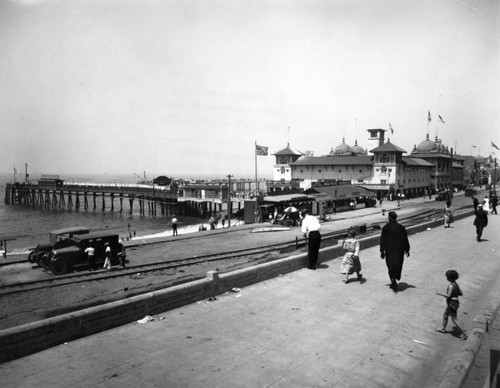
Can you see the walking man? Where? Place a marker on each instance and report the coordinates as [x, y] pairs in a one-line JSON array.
[[310, 230], [475, 202], [480, 222], [494, 203], [90, 251], [393, 246]]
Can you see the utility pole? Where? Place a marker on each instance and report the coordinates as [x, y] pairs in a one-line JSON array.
[[229, 202], [450, 193]]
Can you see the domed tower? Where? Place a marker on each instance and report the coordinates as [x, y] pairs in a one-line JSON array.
[[343, 149], [357, 150]]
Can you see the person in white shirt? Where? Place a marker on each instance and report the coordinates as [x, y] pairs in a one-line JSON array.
[[90, 251], [107, 255], [310, 230]]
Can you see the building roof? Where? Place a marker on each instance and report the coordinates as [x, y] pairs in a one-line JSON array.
[[388, 147], [334, 160], [416, 162], [288, 151], [286, 198]]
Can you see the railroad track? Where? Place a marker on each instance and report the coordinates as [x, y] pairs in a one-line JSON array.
[[248, 255]]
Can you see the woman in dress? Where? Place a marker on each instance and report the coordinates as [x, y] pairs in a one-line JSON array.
[[448, 216], [350, 261]]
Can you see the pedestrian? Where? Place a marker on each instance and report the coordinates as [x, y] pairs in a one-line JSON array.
[[453, 291], [216, 220], [310, 230], [211, 222], [107, 257], [475, 203], [173, 222], [90, 251], [486, 204], [350, 261], [494, 203], [448, 214], [480, 222], [223, 218], [123, 256], [393, 246]]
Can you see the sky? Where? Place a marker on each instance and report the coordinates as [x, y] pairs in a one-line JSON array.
[[187, 88]]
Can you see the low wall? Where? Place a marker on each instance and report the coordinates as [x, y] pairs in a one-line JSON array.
[[26, 339]]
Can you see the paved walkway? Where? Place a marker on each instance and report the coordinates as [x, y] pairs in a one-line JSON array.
[[303, 329]]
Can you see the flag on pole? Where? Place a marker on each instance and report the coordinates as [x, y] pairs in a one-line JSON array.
[[495, 146], [392, 130], [429, 116], [15, 171], [261, 150], [441, 119], [474, 146]]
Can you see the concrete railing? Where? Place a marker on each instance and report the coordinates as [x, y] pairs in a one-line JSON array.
[[33, 337]]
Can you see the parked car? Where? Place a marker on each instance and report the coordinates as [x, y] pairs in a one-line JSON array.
[[72, 257], [59, 238], [442, 195], [469, 192]]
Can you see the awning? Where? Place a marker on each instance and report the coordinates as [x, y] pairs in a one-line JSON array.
[[286, 198], [341, 191]]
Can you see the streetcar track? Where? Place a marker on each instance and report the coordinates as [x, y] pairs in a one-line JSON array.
[[327, 238]]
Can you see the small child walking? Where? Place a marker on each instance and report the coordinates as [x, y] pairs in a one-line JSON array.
[[453, 291]]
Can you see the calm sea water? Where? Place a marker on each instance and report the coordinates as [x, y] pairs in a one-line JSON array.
[[31, 225]]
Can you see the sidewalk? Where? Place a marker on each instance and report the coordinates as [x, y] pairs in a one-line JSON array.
[[303, 329]]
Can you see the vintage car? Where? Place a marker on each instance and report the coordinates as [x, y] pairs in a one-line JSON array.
[[62, 260], [58, 238], [442, 195]]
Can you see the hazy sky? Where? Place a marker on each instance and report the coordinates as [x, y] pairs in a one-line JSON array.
[[186, 87]]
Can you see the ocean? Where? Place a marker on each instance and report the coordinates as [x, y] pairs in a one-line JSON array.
[[31, 225]]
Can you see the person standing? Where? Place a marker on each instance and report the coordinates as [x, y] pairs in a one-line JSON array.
[[486, 204], [173, 222], [107, 257], [90, 251], [310, 230], [223, 218], [480, 222], [350, 261], [211, 222], [393, 246], [448, 214], [475, 203]]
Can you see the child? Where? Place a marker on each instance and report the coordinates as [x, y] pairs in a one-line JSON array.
[[452, 293], [350, 261]]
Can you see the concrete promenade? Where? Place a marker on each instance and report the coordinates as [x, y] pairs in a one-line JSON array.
[[302, 329]]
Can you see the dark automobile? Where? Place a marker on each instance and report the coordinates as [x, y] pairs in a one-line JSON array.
[[58, 238], [442, 195], [73, 257], [469, 192]]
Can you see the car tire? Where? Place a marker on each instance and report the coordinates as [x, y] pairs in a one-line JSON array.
[[32, 257], [59, 267]]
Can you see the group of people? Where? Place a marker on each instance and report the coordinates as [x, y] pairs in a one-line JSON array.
[[91, 258], [394, 246]]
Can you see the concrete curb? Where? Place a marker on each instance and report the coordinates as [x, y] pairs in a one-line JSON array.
[[33, 337]]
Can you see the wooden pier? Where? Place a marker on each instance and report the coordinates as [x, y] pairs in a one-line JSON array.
[[150, 199]]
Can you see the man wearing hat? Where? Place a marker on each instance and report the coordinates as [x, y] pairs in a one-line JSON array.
[[480, 222], [393, 246], [107, 255]]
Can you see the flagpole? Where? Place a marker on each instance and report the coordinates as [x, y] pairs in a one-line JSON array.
[[256, 180]]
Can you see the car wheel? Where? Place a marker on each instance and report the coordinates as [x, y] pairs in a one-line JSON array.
[[32, 257], [59, 267]]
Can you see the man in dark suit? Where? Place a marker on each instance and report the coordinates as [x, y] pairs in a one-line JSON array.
[[393, 246], [480, 222]]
